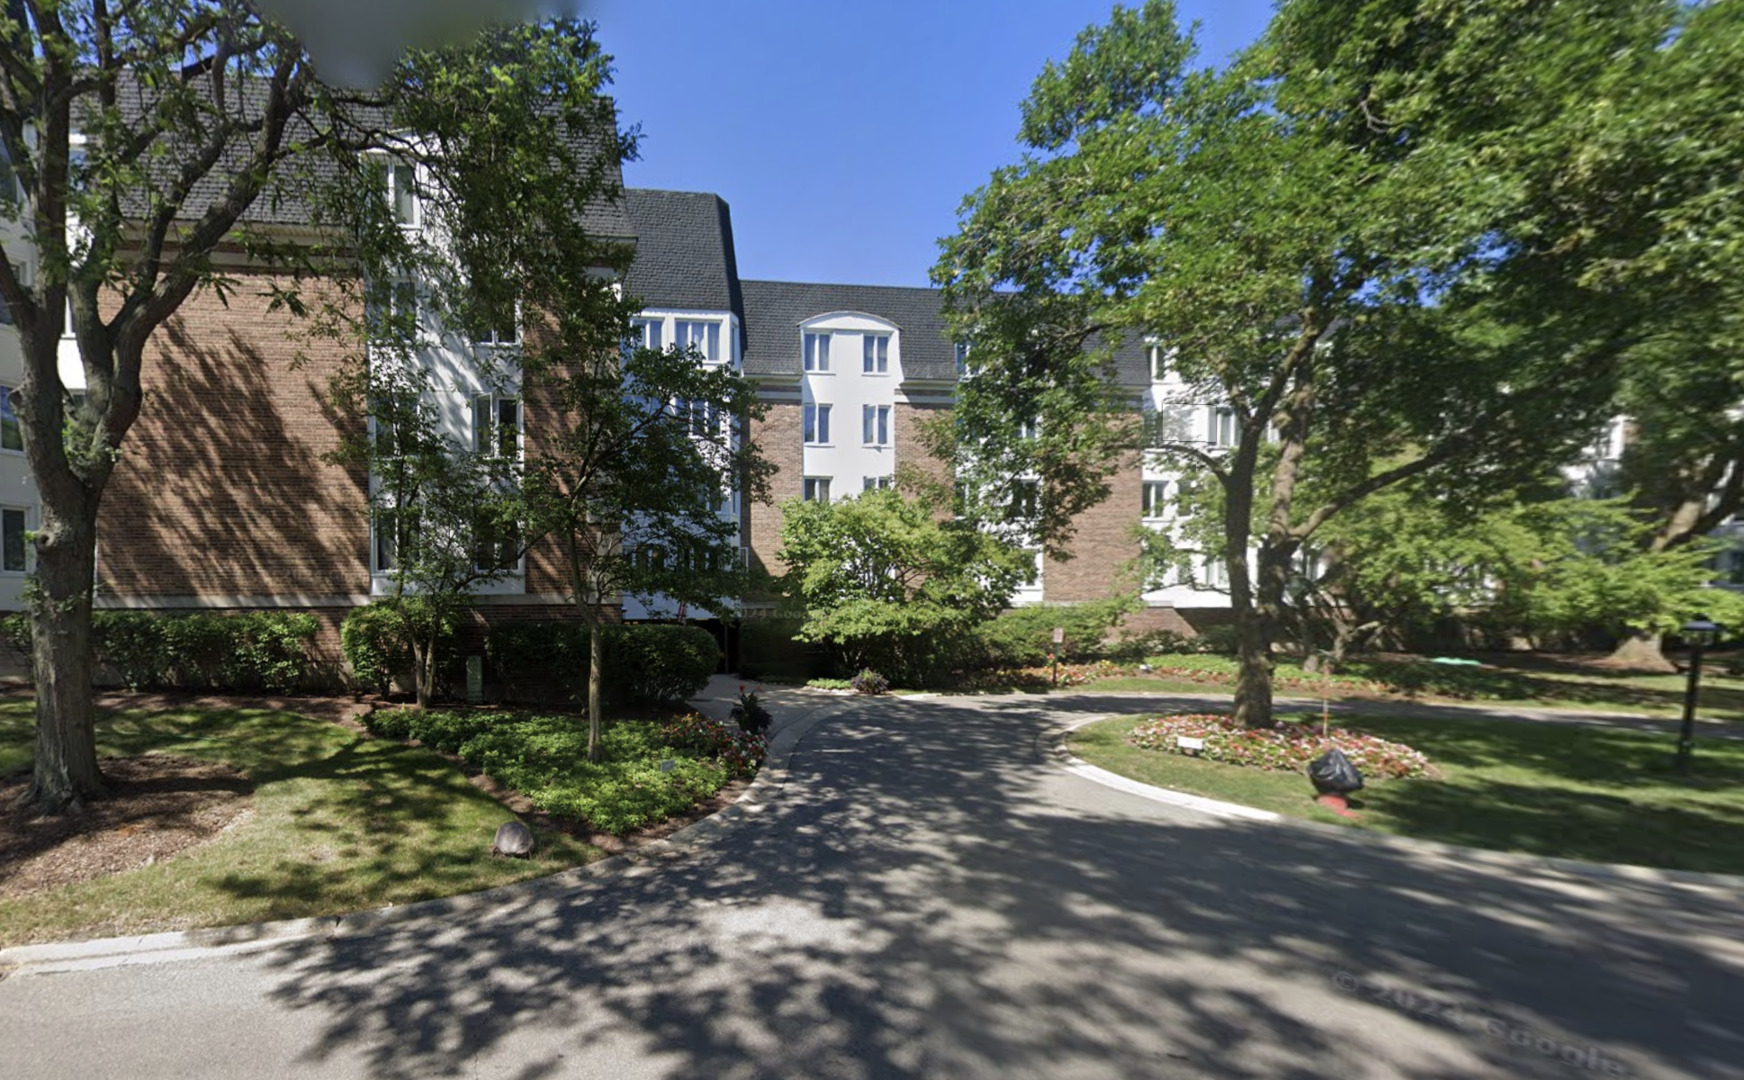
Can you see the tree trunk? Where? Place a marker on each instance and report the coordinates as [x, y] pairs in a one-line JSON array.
[[1253, 684], [424, 671], [595, 652], [66, 772], [1640, 651]]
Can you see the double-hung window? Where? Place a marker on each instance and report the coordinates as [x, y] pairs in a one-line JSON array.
[[702, 417], [1026, 500], [496, 545], [817, 352], [1223, 428], [393, 529], [403, 192], [961, 349], [875, 425], [496, 426], [14, 551], [875, 358], [1028, 429], [817, 425], [817, 489], [1156, 498], [1158, 362], [393, 310], [505, 329], [876, 483], [11, 435], [704, 337]]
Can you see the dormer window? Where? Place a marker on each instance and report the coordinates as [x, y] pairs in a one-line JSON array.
[[876, 354], [1158, 362], [704, 337], [962, 351], [817, 352]]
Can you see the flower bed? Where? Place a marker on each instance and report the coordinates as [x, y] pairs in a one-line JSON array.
[[1289, 747]]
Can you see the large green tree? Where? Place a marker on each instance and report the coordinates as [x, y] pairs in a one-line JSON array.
[[890, 583], [1311, 235], [140, 136]]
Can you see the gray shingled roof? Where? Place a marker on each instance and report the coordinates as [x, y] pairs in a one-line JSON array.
[[774, 310], [286, 201], [684, 251]]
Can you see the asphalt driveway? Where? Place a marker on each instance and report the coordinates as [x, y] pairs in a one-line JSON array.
[[930, 896]]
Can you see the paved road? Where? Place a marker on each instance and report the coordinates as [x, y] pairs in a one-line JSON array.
[[930, 897]]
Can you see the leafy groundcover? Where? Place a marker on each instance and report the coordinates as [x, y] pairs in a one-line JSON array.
[[1289, 747], [651, 769]]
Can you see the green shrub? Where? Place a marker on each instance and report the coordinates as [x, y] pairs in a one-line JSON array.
[[1023, 637], [136, 644], [273, 650], [372, 639], [658, 663], [638, 662], [545, 758], [831, 684], [869, 682]]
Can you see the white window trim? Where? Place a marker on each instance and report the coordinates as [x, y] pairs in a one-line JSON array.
[[493, 403], [881, 417], [875, 336], [11, 392], [820, 420], [807, 361], [29, 514], [829, 494], [719, 335]]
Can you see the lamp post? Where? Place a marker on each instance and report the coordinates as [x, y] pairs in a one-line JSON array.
[[1699, 633]]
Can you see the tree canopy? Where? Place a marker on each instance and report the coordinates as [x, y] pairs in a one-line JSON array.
[[1329, 237]]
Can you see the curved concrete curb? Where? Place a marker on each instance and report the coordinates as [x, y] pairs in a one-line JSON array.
[[1052, 744], [176, 945]]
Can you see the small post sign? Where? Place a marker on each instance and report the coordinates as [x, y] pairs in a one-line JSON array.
[[1059, 639], [1059, 635]]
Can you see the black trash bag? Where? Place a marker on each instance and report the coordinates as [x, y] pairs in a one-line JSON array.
[[1333, 774]]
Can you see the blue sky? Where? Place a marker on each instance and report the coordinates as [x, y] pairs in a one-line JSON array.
[[845, 136]]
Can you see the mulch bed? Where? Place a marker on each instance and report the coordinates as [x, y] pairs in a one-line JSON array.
[[155, 806]]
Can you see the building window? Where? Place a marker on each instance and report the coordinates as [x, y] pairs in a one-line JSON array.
[[1223, 428], [704, 337], [817, 489], [496, 426], [702, 416], [817, 352], [500, 331], [875, 425], [14, 557], [496, 546], [961, 349], [11, 435], [1028, 429], [1158, 362], [393, 310], [876, 354], [390, 529], [403, 192], [876, 483], [1026, 500], [645, 333], [1156, 498], [817, 425]]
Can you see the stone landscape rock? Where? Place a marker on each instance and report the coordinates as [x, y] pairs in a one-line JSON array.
[[513, 839]]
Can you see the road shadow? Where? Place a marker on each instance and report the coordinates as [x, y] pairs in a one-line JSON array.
[[930, 897]]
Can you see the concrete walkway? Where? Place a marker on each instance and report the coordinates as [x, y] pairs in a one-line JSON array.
[[925, 894]]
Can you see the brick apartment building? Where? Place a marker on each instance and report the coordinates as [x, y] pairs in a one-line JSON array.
[[225, 498]]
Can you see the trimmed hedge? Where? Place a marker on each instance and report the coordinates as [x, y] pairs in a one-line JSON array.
[[257, 650], [639, 662], [1023, 637], [372, 639]]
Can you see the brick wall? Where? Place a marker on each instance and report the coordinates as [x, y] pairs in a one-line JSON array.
[[780, 436], [1102, 547], [221, 489], [910, 451]]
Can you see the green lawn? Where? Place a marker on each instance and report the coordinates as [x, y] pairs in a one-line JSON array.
[[1523, 680], [1545, 789], [341, 822]]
